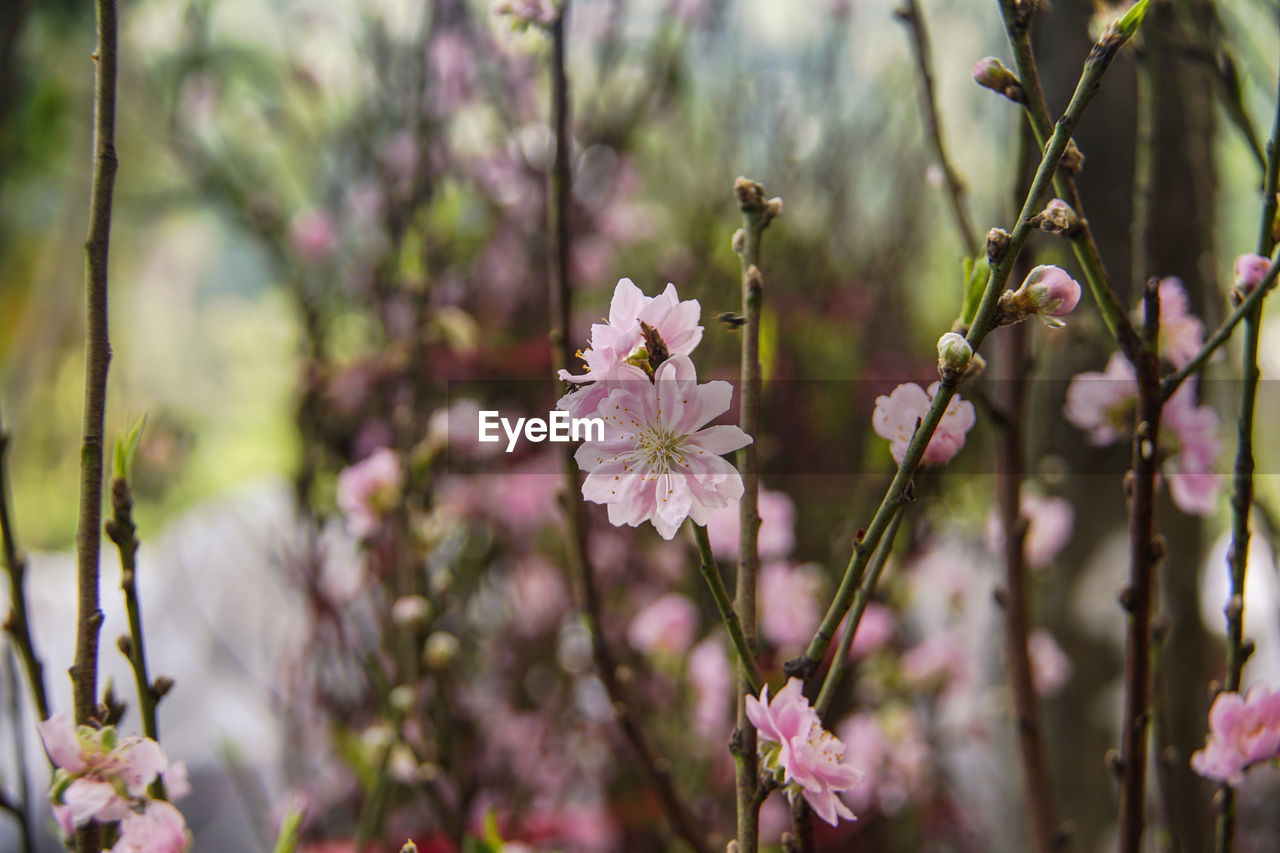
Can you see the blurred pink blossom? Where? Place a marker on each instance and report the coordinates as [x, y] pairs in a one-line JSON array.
[[159, 829], [711, 674], [657, 463], [789, 608], [1050, 666], [1249, 271], [313, 236], [940, 660], [876, 629], [894, 749], [452, 58], [522, 13], [776, 537], [1101, 404], [807, 758], [368, 490], [1243, 731], [1049, 524], [896, 416], [1193, 483], [666, 626], [1181, 332], [537, 596]]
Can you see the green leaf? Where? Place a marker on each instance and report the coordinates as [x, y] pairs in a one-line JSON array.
[[1128, 25], [976, 273], [126, 447]]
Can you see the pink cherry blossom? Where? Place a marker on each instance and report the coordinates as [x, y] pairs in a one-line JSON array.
[[666, 626], [940, 660], [1049, 524], [657, 463], [807, 759], [789, 608], [1243, 731], [777, 534], [1181, 332], [619, 339], [1101, 404], [106, 774], [368, 490], [1048, 291], [1249, 271], [896, 416], [711, 675], [1193, 483], [1050, 666], [159, 829], [313, 236]]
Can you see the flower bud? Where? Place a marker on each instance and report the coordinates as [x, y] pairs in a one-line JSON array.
[[954, 354], [991, 73], [401, 699], [1058, 218], [1250, 270], [997, 245], [440, 650], [410, 611], [1048, 293]]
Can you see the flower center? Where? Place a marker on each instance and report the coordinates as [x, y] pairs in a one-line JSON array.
[[660, 449], [826, 744]]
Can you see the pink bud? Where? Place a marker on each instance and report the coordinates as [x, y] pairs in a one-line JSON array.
[[1049, 292], [1250, 270], [990, 72]]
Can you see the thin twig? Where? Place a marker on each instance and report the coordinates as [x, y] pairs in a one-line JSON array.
[[913, 19], [741, 646], [1136, 598], [756, 214], [677, 811], [1242, 480], [860, 601], [84, 672], [18, 624], [1002, 266], [1010, 473]]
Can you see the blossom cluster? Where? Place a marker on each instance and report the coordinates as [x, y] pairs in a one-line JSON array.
[[105, 778], [658, 461]]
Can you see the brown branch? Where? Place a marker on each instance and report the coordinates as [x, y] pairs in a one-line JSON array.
[[561, 291], [84, 672], [1144, 553], [18, 623], [1010, 472]]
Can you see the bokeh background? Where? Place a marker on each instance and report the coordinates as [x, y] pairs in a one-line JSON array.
[[330, 233]]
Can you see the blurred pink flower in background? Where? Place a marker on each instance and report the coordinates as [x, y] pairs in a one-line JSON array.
[[940, 660], [807, 758], [657, 463], [878, 626], [1181, 332], [893, 748], [368, 490], [776, 537], [789, 608], [1243, 730], [711, 674], [1049, 524], [1050, 666], [665, 626], [1193, 483], [525, 12], [1249, 271], [1101, 404], [536, 595], [159, 829], [896, 416], [313, 236]]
